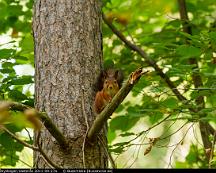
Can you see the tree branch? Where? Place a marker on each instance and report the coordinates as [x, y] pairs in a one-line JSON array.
[[46, 158], [39, 149], [50, 126], [112, 162], [149, 61], [53, 129], [197, 80], [207, 127], [111, 107], [17, 139]]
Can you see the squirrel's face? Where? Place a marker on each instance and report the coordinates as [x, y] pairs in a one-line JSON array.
[[111, 86]]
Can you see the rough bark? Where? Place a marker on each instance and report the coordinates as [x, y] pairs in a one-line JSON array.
[[68, 56]]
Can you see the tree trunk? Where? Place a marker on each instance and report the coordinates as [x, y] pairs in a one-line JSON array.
[[68, 58]]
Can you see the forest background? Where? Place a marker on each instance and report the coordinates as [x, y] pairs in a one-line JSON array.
[[154, 122]]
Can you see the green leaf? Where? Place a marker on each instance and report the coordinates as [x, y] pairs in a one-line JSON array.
[[181, 165], [9, 147], [111, 136], [27, 44], [6, 53], [10, 159], [173, 23], [186, 35], [187, 51], [6, 70], [198, 93], [15, 10], [191, 157], [12, 20], [212, 36], [123, 123], [171, 103], [119, 109], [29, 102], [117, 150], [155, 117], [30, 4], [108, 64], [3, 9], [22, 80], [7, 65], [21, 59], [106, 1], [127, 134], [17, 95]]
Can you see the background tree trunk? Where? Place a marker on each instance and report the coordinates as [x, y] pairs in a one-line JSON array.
[[68, 58]]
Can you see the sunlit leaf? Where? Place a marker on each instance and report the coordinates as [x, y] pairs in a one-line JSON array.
[[6, 53], [188, 51], [17, 95], [22, 80]]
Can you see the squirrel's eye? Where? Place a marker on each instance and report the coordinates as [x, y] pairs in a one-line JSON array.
[[106, 82], [115, 82]]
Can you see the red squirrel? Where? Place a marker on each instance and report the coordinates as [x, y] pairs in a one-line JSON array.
[[110, 81]]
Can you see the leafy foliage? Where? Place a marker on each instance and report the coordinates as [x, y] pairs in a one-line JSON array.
[[194, 159], [15, 23], [9, 148], [156, 28]]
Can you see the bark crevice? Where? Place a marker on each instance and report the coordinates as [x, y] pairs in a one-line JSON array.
[[67, 37]]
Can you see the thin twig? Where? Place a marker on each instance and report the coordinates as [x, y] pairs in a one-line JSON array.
[[170, 159], [107, 153], [150, 61], [46, 158], [196, 137], [174, 132], [50, 126], [139, 134], [170, 125], [87, 127], [37, 142], [28, 134], [145, 131], [159, 71], [102, 118], [196, 78], [28, 145], [139, 147], [18, 140], [12, 157], [212, 149]]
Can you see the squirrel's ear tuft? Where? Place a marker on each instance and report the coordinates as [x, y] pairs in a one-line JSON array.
[[104, 74], [100, 81], [116, 74], [119, 77]]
